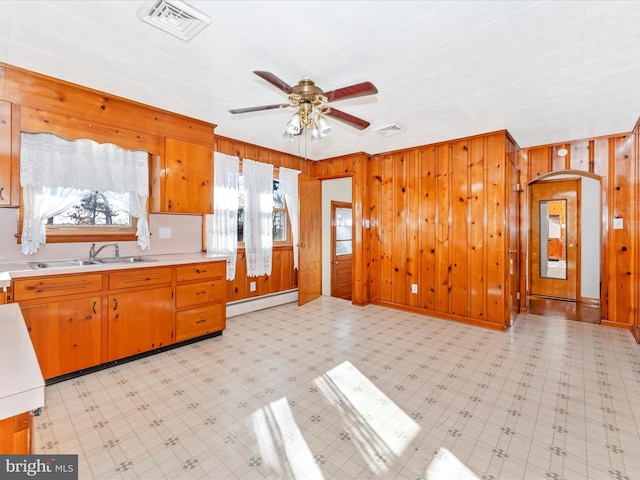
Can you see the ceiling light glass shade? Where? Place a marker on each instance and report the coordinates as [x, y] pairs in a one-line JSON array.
[[288, 136], [323, 125], [294, 126], [315, 132], [563, 152]]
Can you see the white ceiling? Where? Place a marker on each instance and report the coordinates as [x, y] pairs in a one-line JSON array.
[[545, 71]]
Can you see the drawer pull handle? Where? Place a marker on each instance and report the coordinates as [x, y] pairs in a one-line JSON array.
[[201, 321], [1, 190], [115, 304], [94, 307], [201, 293], [200, 271]]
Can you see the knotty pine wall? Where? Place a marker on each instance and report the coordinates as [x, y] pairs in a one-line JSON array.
[[283, 276], [615, 160], [437, 218]]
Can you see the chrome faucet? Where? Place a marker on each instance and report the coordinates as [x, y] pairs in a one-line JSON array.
[[93, 252]]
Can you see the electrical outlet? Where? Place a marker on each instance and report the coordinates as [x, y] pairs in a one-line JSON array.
[[252, 286], [414, 288], [164, 232], [617, 224]]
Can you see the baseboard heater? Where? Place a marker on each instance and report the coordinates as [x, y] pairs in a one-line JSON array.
[[259, 303]]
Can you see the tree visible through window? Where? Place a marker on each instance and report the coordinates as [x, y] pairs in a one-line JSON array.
[[280, 233], [94, 209]]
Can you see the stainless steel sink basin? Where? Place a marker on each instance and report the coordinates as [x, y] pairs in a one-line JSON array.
[[133, 259], [62, 263], [81, 262]]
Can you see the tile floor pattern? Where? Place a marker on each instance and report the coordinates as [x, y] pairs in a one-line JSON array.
[[333, 391]]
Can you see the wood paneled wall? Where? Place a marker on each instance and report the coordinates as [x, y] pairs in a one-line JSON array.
[[615, 160], [437, 218], [283, 276]]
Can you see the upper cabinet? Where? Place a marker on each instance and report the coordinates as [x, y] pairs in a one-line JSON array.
[[181, 147], [183, 179], [9, 170]]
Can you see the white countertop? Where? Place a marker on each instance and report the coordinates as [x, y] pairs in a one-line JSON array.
[[21, 382], [11, 270]]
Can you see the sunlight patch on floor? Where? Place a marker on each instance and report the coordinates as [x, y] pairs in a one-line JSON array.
[[380, 428]]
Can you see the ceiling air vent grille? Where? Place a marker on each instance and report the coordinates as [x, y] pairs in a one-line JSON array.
[[174, 17], [389, 130]]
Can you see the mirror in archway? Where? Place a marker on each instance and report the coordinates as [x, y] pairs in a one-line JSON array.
[[553, 239]]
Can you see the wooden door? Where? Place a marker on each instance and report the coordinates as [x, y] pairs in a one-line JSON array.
[[140, 321], [554, 233], [310, 241], [341, 250], [65, 335]]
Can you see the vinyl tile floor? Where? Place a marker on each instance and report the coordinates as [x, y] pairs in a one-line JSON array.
[[334, 391]]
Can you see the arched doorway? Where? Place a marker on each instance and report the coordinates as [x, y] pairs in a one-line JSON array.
[[564, 248]]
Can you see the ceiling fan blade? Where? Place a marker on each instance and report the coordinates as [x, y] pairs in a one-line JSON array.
[[357, 90], [355, 122], [275, 81], [257, 109]]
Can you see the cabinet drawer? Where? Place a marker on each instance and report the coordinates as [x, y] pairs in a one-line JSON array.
[[55, 285], [200, 321], [201, 271], [138, 277], [199, 293]]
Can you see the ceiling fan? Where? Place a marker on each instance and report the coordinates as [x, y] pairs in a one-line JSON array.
[[312, 103]]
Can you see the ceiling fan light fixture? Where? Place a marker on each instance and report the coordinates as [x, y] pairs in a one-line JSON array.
[[294, 127], [323, 125], [316, 135]]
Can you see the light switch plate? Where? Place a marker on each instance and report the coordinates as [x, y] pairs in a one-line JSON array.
[[164, 232]]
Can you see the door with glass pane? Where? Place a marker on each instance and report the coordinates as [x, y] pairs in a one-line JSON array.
[[554, 251], [341, 250]]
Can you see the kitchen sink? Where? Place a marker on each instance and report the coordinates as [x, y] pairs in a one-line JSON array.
[[133, 259], [63, 263], [80, 262]]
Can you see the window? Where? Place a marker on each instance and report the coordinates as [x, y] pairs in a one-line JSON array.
[[79, 190], [93, 209], [281, 234], [96, 214]]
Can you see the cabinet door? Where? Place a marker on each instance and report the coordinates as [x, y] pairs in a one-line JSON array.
[[139, 321], [65, 335], [188, 177], [5, 154]]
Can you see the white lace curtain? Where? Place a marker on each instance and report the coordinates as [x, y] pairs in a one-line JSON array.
[[289, 188], [258, 216], [222, 227], [56, 173]]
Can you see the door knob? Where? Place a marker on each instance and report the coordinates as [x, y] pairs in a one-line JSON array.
[[513, 250], [302, 244]]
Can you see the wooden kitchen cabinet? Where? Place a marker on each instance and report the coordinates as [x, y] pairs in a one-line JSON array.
[[200, 300], [66, 335], [183, 179], [141, 315], [63, 316], [16, 435], [9, 166], [79, 321]]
